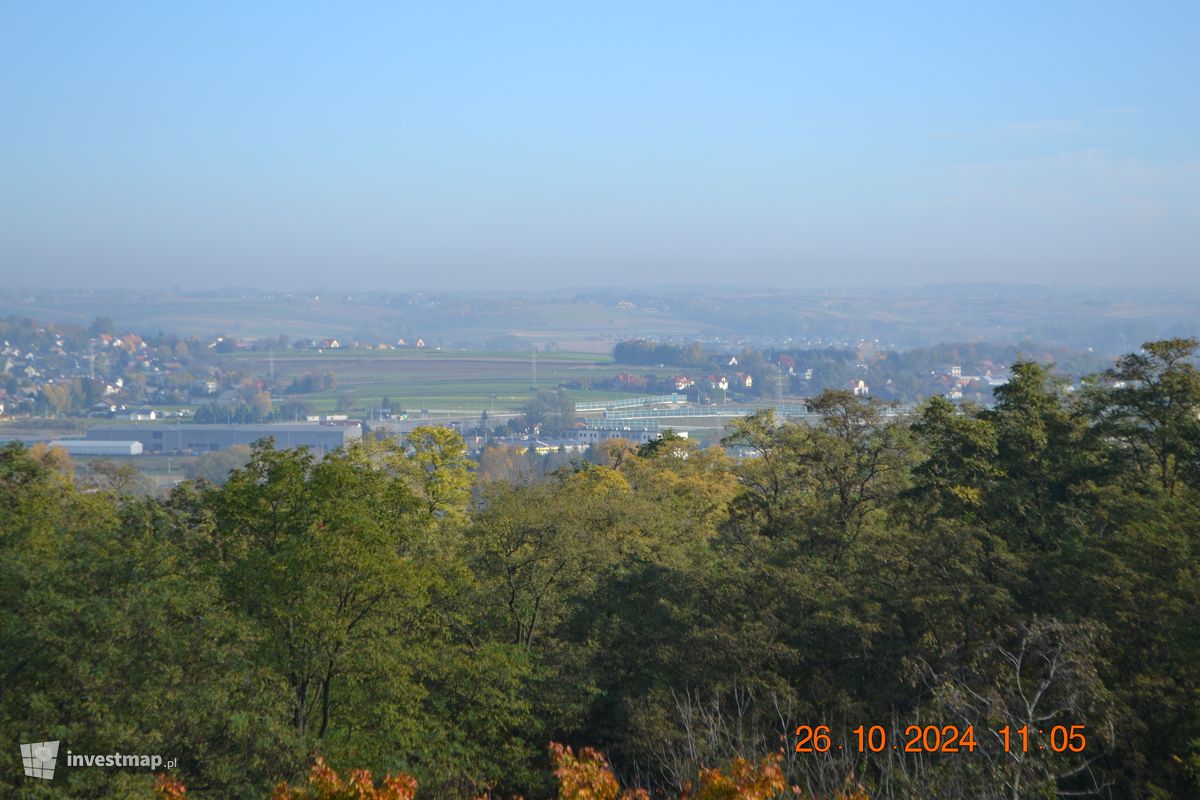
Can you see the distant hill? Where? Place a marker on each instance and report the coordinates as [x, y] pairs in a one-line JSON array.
[[1106, 320]]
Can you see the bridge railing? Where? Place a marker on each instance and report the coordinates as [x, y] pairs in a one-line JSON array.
[[632, 402]]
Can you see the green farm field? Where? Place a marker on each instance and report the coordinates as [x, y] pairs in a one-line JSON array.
[[414, 380]]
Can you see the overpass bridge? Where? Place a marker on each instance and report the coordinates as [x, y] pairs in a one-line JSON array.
[[647, 401], [647, 411]]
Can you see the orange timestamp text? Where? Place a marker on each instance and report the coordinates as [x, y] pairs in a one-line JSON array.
[[941, 739]]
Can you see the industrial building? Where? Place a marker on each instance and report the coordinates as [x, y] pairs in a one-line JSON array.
[[318, 437], [89, 447], [638, 434]]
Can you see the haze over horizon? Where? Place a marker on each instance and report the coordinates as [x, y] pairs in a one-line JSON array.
[[545, 147]]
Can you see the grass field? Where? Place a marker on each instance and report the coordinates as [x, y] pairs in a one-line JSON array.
[[426, 379]]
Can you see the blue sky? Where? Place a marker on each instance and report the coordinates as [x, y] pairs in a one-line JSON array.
[[490, 145]]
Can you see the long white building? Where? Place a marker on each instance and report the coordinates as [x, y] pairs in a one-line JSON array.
[[89, 447]]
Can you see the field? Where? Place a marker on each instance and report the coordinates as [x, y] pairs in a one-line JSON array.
[[446, 380], [450, 320]]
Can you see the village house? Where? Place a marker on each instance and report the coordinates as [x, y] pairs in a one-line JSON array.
[[858, 386]]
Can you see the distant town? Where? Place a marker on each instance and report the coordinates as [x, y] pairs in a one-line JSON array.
[[170, 402]]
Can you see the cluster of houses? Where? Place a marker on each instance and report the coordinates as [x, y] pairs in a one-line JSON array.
[[949, 381], [115, 375], [722, 381], [628, 382], [226, 344], [729, 379], [22, 362], [321, 345], [954, 385], [46, 370], [48, 365]]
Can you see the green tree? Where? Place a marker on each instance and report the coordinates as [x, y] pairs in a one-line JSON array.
[[314, 557], [1046, 455], [536, 545], [553, 410], [960, 460], [57, 397], [437, 471], [215, 467], [114, 631], [120, 478], [1153, 409]]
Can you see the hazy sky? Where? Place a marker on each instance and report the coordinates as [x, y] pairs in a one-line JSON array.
[[435, 145]]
